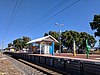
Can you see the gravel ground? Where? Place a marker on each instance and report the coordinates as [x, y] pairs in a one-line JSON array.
[[7, 68]]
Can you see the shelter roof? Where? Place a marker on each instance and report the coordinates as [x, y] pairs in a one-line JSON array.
[[48, 38]]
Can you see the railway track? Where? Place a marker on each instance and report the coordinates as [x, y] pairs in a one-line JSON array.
[[29, 68], [40, 68]]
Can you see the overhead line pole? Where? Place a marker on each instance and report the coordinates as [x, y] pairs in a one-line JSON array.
[[59, 38]]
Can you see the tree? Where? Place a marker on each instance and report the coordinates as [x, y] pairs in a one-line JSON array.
[[54, 34], [10, 44], [20, 43], [67, 38], [45, 34], [25, 40], [95, 25]]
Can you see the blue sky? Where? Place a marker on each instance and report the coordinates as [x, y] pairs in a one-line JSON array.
[[77, 17]]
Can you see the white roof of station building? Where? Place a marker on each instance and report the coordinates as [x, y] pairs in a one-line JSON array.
[[46, 38]]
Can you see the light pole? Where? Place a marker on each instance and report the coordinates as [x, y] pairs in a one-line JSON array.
[[59, 38]]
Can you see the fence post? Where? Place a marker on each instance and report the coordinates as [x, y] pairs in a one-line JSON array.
[[39, 59], [34, 59], [81, 68], [45, 60], [64, 64], [52, 62]]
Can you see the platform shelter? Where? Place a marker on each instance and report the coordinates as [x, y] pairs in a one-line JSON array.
[[44, 45]]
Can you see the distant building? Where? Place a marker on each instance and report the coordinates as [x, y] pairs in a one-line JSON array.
[[12, 49]]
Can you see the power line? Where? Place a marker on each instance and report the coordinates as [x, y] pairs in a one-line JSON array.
[[11, 18], [16, 10], [45, 15], [13, 14], [56, 14]]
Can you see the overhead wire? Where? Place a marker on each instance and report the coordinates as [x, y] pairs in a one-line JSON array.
[[18, 6], [51, 17], [10, 19], [13, 14], [55, 14], [45, 15]]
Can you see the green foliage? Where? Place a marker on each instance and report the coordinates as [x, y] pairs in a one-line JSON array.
[[54, 34], [95, 25], [20, 43], [45, 34], [67, 38], [10, 44]]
